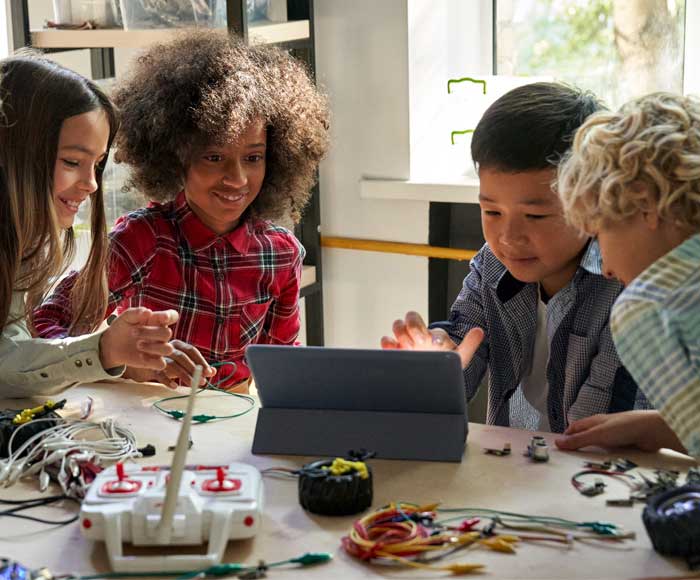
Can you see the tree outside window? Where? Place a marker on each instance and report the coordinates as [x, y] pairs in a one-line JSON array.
[[619, 49]]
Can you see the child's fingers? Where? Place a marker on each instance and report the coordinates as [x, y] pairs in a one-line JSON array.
[[583, 424], [402, 336], [389, 343], [135, 315], [151, 334], [416, 329], [162, 318], [593, 435], [176, 374], [576, 441], [183, 367], [165, 380], [146, 361], [469, 345], [195, 357], [154, 348]]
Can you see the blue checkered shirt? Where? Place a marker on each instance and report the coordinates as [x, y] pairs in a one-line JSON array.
[[584, 373]]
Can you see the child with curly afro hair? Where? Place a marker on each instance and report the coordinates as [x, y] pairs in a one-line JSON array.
[[633, 180], [222, 138]]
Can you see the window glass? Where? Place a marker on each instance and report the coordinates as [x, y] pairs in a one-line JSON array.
[[617, 48]]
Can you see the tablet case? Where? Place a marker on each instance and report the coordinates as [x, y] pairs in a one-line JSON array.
[[328, 401]]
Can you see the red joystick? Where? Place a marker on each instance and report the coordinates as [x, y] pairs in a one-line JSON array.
[[122, 483], [221, 483]]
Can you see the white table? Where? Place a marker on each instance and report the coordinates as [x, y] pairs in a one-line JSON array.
[[511, 483]]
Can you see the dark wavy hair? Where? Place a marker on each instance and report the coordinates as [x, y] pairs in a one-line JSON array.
[[531, 127], [206, 87], [37, 96]]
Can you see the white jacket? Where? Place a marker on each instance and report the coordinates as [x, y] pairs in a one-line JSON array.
[[36, 366]]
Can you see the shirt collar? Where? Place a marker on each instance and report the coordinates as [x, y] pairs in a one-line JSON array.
[[508, 286], [658, 274], [592, 260], [200, 236]]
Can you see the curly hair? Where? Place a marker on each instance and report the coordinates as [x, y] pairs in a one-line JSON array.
[[206, 87], [647, 152]]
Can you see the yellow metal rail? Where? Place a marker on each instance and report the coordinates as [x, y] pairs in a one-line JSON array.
[[397, 248]]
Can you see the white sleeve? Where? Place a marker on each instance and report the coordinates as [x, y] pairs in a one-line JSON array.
[[36, 366]]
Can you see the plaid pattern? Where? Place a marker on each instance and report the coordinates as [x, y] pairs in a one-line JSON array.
[[584, 373], [230, 290], [656, 327]]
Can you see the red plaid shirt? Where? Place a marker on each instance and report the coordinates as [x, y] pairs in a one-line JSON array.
[[231, 290]]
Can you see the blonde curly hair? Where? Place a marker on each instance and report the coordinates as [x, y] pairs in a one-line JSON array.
[[646, 153], [207, 87]]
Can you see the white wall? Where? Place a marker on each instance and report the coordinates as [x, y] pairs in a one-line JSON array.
[[5, 29], [362, 62]]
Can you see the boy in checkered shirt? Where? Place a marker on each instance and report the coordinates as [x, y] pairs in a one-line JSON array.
[[534, 309]]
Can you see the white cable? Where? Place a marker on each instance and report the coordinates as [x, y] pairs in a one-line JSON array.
[[55, 443]]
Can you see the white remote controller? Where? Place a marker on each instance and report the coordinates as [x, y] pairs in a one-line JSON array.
[[172, 506], [215, 504]]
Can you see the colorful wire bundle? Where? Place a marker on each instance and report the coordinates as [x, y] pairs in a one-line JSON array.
[[407, 534], [548, 528], [412, 535]]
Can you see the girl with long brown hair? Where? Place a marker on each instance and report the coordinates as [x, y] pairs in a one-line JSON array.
[[56, 128]]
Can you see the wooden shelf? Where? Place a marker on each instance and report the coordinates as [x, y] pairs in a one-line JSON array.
[[263, 32]]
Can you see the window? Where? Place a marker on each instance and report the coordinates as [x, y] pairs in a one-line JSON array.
[[619, 49]]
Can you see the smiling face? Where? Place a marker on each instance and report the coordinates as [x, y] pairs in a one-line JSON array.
[[82, 146], [523, 224], [222, 181]]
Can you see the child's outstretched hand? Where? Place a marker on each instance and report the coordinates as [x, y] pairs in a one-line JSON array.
[[645, 430], [138, 337], [179, 367], [412, 334]]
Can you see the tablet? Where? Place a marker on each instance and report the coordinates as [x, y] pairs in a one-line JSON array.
[[326, 401]]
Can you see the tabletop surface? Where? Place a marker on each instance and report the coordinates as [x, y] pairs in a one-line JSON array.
[[512, 483]]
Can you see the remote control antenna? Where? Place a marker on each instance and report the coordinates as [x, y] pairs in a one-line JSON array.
[[165, 525]]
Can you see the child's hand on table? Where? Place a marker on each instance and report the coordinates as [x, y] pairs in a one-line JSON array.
[[645, 430]]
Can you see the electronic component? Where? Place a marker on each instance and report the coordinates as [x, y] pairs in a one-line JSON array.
[[24, 422], [126, 504], [620, 502], [595, 488], [11, 570], [538, 449], [499, 452], [335, 487], [161, 506]]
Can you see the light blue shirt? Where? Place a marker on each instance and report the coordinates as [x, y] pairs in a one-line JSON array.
[[656, 328]]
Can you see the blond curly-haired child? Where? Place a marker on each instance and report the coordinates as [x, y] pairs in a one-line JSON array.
[[633, 180]]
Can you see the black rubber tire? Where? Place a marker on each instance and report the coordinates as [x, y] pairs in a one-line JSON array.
[[676, 533], [333, 495]]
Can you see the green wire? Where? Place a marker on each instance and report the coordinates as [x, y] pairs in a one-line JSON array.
[[533, 519], [203, 418], [308, 559]]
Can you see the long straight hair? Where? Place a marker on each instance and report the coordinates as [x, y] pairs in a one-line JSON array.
[[37, 96]]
